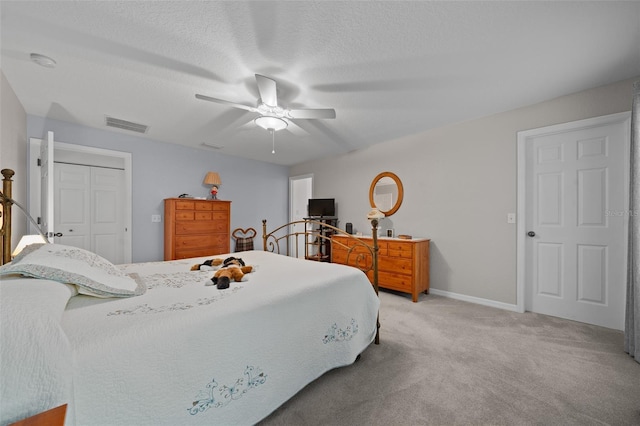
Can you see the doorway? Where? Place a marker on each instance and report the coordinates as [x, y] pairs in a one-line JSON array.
[[300, 191], [572, 195], [115, 249]]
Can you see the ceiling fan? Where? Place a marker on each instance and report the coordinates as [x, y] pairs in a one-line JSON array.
[[272, 116]]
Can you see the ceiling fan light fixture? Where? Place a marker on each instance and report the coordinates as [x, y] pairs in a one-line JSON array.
[[271, 123], [43, 60]]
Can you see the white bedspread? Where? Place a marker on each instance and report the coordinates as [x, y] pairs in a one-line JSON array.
[[35, 355], [185, 353]]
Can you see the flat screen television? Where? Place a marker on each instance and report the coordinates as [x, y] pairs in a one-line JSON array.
[[322, 207]]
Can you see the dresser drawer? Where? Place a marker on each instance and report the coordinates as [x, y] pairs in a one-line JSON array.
[[396, 265], [185, 215], [185, 205], [201, 227], [202, 252], [199, 215], [399, 249], [207, 206], [393, 281], [219, 206], [197, 242]]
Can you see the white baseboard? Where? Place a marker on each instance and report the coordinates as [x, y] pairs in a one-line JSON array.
[[477, 300]]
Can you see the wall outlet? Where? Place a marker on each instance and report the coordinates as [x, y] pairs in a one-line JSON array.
[[156, 218], [511, 218]]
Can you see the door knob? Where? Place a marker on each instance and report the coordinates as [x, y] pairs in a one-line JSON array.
[[531, 234]]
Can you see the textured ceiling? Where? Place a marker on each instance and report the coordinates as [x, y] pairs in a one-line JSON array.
[[389, 69]]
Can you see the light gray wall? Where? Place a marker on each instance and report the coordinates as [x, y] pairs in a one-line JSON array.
[[13, 152], [161, 170], [459, 183]]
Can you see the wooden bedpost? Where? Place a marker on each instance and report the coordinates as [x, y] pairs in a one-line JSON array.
[[5, 231]]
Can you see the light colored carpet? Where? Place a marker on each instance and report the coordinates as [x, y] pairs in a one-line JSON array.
[[446, 362]]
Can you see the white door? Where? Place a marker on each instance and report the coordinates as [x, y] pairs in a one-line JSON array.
[[89, 213], [107, 213], [46, 185], [573, 230], [300, 190], [72, 205]]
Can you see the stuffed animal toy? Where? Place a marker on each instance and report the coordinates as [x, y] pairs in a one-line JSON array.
[[208, 265], [233, 268]]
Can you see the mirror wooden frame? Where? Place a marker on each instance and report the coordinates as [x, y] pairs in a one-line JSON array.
[[398, 182]]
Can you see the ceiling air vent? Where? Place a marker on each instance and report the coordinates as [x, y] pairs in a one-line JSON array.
[[126, 125], [211, 146]]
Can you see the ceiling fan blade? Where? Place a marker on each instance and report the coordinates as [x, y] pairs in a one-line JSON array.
[[221, 101], [267, 89], [295, 129], [313, 113]]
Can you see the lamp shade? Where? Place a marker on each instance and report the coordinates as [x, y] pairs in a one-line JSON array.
[[212, 178], [27, 240], [375, 214]]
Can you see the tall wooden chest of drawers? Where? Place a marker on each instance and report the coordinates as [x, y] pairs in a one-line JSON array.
[[403, 265], [196, 228]]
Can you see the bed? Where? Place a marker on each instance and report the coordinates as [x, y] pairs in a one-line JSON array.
[[152, 344]]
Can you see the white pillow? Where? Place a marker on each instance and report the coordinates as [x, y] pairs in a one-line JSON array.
[[92, 274]]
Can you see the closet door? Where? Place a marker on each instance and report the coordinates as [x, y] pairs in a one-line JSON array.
[[107, 213], [72, 208], [88, 209]]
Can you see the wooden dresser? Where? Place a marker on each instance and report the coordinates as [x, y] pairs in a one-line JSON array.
[[403, 265], [196, 228]]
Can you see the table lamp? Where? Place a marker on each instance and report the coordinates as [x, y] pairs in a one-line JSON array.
[[213, 179]]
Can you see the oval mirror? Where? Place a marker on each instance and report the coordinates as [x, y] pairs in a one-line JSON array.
[[386, 193]]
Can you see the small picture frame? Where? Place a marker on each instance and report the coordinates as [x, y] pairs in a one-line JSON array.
[[390, 233]]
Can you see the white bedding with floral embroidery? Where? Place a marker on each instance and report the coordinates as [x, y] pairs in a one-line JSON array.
[[186, 354]]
